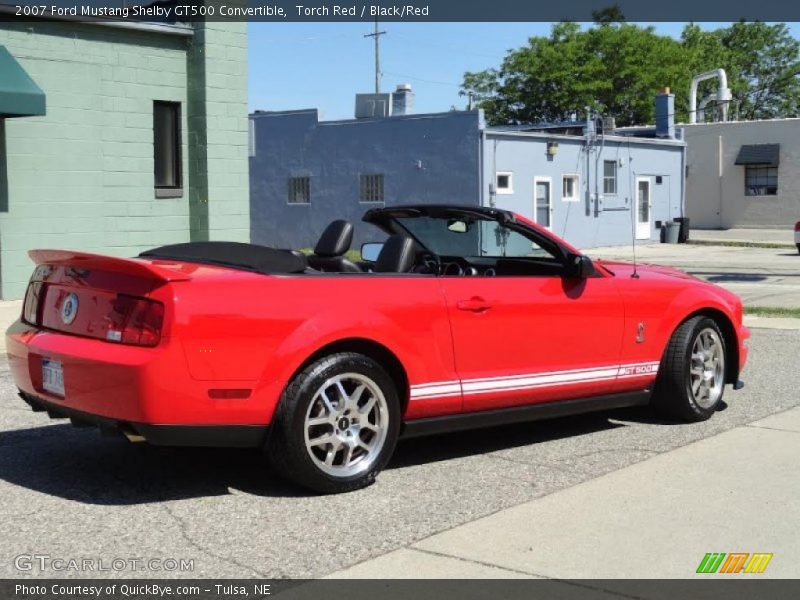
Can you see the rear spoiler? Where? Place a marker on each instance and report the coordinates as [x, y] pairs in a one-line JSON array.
[[127, 266]]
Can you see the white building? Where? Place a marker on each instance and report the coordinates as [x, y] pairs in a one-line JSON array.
[[743, 174]]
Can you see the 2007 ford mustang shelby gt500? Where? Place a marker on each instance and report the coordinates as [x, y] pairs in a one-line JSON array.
[[463, 317]]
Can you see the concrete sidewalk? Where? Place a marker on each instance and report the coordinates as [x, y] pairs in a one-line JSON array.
[[734, 492]]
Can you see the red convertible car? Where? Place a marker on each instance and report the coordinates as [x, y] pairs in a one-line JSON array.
[[463, 317]]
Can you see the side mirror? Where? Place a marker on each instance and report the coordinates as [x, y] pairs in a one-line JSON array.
[[579, 266], [370, 251]]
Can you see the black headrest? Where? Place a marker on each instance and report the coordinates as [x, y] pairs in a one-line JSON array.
[[396, 256], [335, 240]]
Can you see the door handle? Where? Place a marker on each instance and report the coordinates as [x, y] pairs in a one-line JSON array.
[[474, 304]]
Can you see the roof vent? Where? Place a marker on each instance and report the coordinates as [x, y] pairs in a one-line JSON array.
[[371, 106], [609, 124]]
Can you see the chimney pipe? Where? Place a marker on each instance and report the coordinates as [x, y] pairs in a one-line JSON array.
[[665, 114], [403, 100]]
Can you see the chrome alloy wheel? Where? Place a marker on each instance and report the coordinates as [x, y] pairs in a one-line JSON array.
[[707, 370], [346, 425]]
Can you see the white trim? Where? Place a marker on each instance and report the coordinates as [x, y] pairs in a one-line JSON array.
[[580, 140], [510, 188], [441, 389], [549, 181], [577, 187]]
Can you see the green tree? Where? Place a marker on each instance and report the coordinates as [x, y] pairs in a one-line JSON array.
[[765, 62], [616, 68]]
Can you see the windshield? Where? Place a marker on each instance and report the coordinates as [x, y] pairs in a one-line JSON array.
[[471, 237]]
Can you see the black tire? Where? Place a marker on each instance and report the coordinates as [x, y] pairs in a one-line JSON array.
[[673, 397], [286, 446], [798, 248]]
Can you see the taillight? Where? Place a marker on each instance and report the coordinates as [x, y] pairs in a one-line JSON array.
[[135, 321], [30, 307], [797, 226]]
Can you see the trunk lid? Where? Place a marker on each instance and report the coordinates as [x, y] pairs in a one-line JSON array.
[[101, 297]]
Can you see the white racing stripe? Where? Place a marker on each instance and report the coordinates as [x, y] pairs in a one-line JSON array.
[[442, 389]]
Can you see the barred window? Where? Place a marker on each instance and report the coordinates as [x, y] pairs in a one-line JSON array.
[[609, 177], [760, 180], [299, 190], [371, 188]]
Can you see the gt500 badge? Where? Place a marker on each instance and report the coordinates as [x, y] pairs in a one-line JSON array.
[[69, 309]]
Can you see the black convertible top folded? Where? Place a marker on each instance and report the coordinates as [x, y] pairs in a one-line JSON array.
[[249, 257]]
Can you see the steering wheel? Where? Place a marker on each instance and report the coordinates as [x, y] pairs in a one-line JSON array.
[[429, 263]]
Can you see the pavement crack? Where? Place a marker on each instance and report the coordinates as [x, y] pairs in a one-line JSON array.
[[182, 527], [772, 428], [477, 562]]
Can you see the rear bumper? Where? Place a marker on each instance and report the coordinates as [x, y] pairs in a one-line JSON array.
[[129, 384], [223, 436]]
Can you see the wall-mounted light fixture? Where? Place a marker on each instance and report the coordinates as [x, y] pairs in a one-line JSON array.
[[552, 148]]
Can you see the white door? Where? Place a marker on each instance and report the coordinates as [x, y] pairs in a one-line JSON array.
[[542, 205], [643, 205]]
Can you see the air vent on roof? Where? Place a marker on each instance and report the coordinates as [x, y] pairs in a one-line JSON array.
[[373, 105]]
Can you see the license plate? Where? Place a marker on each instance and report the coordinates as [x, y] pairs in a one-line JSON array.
[[53, 376]]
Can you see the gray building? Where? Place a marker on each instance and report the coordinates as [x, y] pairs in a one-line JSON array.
[[590, 184], [743, 174]]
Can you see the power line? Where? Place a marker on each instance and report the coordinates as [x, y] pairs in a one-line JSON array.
[[413, 78], [460, 51]]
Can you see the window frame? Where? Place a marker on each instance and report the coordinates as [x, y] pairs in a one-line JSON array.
[[175, 190], [371, 188], [615, 177], [292, 189], [576, 187], [747, 178], [505, 190]]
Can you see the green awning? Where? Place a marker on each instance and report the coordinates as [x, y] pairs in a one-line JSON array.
[[19, 94]]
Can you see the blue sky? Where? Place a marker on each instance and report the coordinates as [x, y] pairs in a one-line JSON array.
[[323, 65]]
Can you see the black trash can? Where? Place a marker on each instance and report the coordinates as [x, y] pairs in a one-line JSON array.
[[683, 235]]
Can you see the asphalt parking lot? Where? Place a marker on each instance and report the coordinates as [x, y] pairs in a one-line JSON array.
[[70, 493]]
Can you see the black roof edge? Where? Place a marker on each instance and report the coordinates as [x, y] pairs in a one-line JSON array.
[[381, 215]]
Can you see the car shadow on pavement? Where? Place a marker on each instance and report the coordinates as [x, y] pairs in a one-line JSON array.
[[648, 417], [83, 466], [449, 446]]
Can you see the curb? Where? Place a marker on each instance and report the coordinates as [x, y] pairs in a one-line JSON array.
[[741, 243]]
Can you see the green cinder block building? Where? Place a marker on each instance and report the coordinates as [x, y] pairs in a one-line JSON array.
[[117, 137]]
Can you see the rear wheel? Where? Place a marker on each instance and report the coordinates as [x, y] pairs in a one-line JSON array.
[[691, 379], [336, 425]]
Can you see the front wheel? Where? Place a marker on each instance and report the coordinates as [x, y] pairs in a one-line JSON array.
[[691, 380], [336, 425]]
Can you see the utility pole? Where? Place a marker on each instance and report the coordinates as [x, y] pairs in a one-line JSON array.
[[377, 36]]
